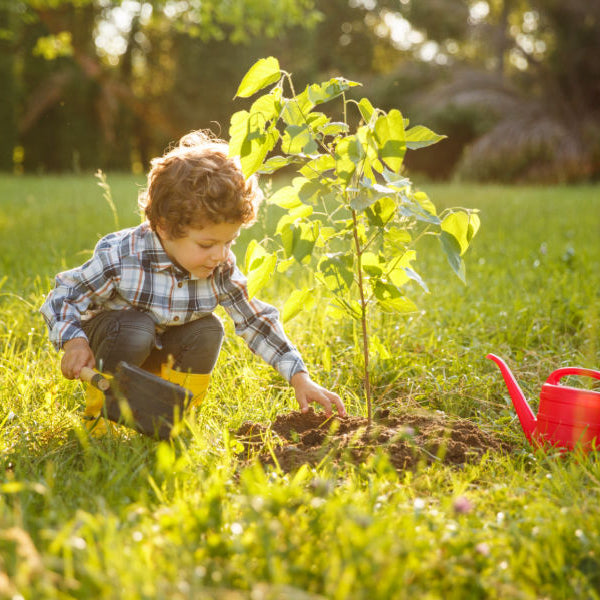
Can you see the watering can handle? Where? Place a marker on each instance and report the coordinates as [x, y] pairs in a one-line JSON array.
[[556, 375]]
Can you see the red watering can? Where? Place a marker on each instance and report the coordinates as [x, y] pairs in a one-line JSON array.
[[567, 416]]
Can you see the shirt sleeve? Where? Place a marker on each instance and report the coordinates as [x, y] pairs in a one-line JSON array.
[[257, 322], [77, 290]]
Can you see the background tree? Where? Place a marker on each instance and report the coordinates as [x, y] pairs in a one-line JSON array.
[[98, 77], [523, 76], [8, 98], [109, 83]]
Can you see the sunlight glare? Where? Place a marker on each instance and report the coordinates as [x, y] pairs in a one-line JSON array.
[[479, 11], [112, 30], [401, 32]]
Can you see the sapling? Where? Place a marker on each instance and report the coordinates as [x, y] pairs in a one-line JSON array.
[[351, 214]]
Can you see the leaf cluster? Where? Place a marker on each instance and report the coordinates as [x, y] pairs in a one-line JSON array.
[[351, 214]]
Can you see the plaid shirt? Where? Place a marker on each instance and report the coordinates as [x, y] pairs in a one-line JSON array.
[[130, 270]]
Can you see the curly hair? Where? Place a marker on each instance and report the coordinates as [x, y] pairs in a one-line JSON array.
[[196, 183]]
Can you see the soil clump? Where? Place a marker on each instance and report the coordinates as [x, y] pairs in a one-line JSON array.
[[409, 439]]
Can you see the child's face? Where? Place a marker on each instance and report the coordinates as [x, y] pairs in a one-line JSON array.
[[200, 251]]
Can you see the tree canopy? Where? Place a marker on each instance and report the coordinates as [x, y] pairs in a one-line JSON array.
[[109, 83]]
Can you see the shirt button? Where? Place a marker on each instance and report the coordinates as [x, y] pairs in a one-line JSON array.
[[180, 284], [176, 318]]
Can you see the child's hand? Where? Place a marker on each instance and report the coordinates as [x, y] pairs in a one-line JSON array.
[[308, 391], [78, 354]]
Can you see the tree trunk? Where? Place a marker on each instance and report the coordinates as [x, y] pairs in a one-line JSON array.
[[8, 125]]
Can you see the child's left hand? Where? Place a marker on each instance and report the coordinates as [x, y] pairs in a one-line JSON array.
[[308, 391]]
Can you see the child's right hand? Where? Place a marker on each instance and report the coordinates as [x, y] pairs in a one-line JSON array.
[[78, 354]]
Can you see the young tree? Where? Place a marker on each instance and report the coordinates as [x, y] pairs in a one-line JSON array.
[[351, 214]]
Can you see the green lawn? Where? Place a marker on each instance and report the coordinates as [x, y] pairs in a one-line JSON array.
[[126, 517]]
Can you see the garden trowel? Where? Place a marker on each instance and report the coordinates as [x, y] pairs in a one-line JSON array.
[[139, 399]]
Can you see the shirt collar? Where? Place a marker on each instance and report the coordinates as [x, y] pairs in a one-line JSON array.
[[161, 260]]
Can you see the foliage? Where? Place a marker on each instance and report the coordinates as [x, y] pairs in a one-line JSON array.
[[94, 84], [123, 517], [350, 207], [91, 84], [528, 66]]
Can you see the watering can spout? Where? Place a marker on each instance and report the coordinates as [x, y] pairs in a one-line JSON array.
[[524, 412]]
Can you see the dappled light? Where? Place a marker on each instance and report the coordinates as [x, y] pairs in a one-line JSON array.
[[145, 73]]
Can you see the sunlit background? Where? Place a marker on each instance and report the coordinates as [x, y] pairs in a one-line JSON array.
[[106, 84]]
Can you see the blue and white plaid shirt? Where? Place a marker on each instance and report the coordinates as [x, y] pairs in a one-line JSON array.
[[130, 270]]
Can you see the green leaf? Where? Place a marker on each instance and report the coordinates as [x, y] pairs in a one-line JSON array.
[[250, 142], [286, 233], [309, 191], [397, 238], [348, 153], [390, 299], [462, 226], [266, 108], [284, 265], [303, 247], [396, 305], [340, 308], [416, 277], [336, 272], [423, 199], [389, 133], [474, 224], [296, 110], [298, 240], [262, 73], [285, 197], [345, 308], [316, 167], [255, 150], [328, 90], [302, 211], [277, 162], [363, 199], [381, 212], [371, 264], [366, 109], [420, 137], [238, 129], [334, 128], [255, 253], [396, 181], [259, 276], [326, 234], [298, 139], [451, 247], [396, 268], [316, 121], [369, 193], [297, 301], [409, 208]]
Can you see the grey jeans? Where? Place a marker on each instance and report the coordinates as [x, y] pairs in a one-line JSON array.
[[131, 336]]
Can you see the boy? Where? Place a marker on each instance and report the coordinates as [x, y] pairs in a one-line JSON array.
[[148, 293]]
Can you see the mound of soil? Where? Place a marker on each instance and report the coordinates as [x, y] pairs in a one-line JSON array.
[[409, 439]]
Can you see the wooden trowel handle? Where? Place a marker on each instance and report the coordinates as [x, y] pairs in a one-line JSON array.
[[95, 378]]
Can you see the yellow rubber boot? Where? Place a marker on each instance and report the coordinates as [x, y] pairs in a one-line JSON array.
[[93, 420], [197, 383]]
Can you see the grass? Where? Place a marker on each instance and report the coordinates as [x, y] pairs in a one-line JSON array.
[[125, 517]]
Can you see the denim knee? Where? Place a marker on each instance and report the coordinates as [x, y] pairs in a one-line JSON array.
[[121, 335], [195, 346]]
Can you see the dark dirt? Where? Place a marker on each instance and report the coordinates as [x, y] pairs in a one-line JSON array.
[[411, 438]]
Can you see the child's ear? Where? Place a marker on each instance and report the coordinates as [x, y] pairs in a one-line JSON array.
[[162, 230]]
